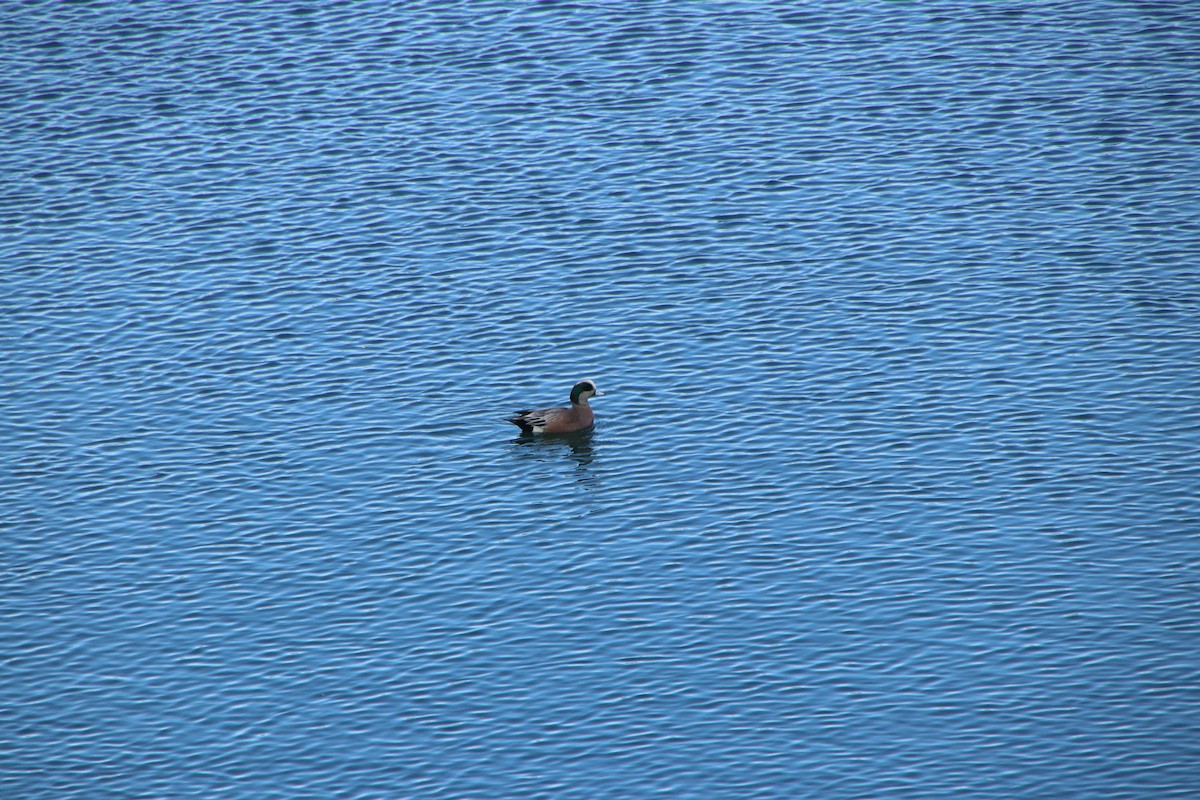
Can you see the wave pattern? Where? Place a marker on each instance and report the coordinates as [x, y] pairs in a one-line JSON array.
[[893, 493]]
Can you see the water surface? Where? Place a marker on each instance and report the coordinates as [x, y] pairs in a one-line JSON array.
[[893, 493]]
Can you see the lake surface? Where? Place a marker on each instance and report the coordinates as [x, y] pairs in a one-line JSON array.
[[894, 491]]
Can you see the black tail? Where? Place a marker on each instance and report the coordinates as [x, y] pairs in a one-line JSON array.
[[518, 419]]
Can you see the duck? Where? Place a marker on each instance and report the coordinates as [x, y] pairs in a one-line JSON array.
[[561, 420]]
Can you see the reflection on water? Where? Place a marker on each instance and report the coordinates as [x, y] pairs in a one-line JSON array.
[[553, 447]]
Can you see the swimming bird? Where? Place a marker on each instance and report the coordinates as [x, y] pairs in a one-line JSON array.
[[560, 420]]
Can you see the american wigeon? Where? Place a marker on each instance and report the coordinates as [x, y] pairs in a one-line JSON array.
[[560, 420]]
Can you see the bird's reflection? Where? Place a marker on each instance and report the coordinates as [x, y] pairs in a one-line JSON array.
[[577, 447]]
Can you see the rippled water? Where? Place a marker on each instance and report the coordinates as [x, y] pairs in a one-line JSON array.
[[893, 494]]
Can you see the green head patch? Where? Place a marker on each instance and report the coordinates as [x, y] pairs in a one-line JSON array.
[[580, 388]]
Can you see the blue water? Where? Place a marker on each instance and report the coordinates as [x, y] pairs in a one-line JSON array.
[[894, 492]]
